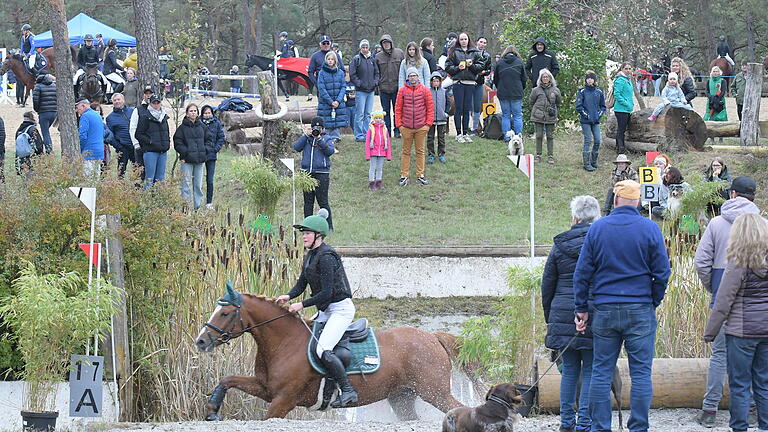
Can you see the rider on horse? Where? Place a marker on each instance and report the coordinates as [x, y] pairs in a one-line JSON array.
[[331, 294], [724, 50], [27, 45], [88, 58], [111, 66]]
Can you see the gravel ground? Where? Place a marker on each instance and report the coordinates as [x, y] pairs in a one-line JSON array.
[[678, 420]]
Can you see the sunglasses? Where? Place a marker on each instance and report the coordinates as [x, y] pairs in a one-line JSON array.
[[326, 43]]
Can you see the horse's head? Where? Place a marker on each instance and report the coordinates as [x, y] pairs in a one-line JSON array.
[[8, 62], [233, 317], [263, 63], [250, 60]]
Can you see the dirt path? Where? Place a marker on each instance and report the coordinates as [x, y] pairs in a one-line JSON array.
[[679, 420]]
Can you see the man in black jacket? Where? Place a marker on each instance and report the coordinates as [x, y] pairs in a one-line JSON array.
[[540, 58], [364, 74], [509, 79], [44, 102]]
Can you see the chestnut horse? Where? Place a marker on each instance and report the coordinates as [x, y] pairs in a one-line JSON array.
[[16, 64], [413, 362], [725, 67]]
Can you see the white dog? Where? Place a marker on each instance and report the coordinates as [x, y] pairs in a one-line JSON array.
[[515, 145]]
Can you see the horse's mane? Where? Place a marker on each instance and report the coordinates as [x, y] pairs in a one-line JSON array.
[[271, 300]]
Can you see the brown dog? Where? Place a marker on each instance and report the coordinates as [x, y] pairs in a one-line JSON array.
[[497, 414]]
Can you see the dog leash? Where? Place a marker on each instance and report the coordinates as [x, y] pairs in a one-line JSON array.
[[560, 355]]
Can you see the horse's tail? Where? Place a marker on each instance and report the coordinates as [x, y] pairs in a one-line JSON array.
[[451, 346]]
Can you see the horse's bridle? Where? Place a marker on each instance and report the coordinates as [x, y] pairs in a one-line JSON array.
[[227, 335]]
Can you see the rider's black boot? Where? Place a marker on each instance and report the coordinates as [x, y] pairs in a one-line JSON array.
[[338, 372]]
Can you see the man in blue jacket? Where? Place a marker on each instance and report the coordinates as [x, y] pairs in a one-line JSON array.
[[316, 149], [624, 267], [317, 60], [91, 137], [119, 122]]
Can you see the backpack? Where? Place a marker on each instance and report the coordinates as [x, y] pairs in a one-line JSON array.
[[24, 144], [492, 127], [609, 99]]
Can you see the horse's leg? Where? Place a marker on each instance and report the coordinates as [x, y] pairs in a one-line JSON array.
[[281, 406], [439, 394], [404, 405], [250, 385]]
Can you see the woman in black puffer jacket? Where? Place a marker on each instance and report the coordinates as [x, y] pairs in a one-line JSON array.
[[464, 63], [217, 138], [193, 142], [559, 311], [44, 101]]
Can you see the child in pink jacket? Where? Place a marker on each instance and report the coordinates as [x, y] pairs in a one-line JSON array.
[[377, 147]]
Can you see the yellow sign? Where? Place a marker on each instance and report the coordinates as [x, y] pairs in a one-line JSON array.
[[489, 109], [649, 175]]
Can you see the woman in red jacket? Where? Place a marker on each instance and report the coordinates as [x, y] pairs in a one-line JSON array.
[[414, 114]]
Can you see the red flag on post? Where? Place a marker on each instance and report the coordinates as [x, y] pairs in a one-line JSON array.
[[649, 157], [86, 247]]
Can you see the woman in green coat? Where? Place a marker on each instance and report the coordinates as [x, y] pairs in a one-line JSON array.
[[716, 97], [623, 105]]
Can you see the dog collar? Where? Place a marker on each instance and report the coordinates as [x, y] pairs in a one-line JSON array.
[[500, 401]]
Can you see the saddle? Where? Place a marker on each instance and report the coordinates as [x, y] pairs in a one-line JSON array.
[[40, 64]]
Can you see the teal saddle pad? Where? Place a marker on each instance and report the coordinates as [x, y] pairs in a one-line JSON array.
[[366, 358]]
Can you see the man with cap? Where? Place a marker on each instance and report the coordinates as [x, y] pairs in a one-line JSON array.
[[317, 60], [710, 262], [389, 60], [285, 50], [316, 149], [91, 137], [364, 74], [623, 270], [139, 155]]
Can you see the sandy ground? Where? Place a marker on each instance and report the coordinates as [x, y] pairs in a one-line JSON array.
[[12, 115], [679, 420]]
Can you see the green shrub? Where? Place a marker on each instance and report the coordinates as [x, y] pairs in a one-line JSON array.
[[264, 184]]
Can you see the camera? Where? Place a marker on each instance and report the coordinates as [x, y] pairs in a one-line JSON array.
[[552, 110], [316, 131]]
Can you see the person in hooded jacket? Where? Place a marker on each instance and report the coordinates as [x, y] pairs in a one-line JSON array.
[[509, 78], [558, 303], [217, 136], [331, 92], [545, 101], [44, 101], [131, 90], [389, 60], [193, 142], [590, 104], [464, 63], [540, 58], [364, 74], [29, 125]]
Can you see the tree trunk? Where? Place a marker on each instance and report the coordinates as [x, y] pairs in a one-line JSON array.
[[273, 142], [638, 96], [321, 16], [750, 129], [248, 39], [353, 10], [717, 129], [750, 37], [146, 39], [675, 130], [231, 120], [65, 94], [408, 19]]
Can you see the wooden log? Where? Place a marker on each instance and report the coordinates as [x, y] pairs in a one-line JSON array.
[[241, 136], [235, 120], [674, 130], [677, 383], [722, 129], [750, 130], [633, 146], [248, 149]]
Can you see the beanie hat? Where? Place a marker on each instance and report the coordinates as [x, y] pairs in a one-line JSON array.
[[364, 42], [672, 76], [317, 121], [591, 74], [627, 189], [410, 70]]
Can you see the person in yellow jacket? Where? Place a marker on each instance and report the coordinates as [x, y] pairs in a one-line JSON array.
[[132, 61]]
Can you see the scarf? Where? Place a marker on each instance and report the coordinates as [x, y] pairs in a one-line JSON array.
[[157, 114]]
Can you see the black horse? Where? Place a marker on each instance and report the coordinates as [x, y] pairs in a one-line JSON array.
[[90, 85]]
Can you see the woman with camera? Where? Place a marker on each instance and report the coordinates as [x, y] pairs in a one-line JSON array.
[[464, 63], [316, 149]]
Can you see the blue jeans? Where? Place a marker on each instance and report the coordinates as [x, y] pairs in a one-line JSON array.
[[747, 366], [477, 105], [192, 178], [154, 167], [46, 120], [634, 325], [363, 113], [388, 101], [511, 113], [210, 171], [591, 135], [335, 132], [463, 95], [575, 363]]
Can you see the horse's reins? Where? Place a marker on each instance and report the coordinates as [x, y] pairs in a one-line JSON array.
[[226, 336], [559, 356]]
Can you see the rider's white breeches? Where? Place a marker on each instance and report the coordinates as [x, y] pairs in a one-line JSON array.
[[338, 316], [116, 78]]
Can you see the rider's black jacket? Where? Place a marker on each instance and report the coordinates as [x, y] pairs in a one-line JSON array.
[[110, 63], [87, 54], [324, 272]]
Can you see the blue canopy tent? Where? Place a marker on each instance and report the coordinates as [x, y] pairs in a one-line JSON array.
[[81, 25]]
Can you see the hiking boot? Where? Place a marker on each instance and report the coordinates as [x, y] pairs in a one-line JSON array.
[[430, 159], [442, 159], [378, 185], [338, 372], [537, 158], [371, 185], [403, 181], [706, 418], [551, 160], [587, 159], [422, 180], [594, 160]]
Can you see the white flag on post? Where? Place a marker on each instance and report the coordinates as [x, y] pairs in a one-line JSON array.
[[523, 162], [289, 162], [87, 196]]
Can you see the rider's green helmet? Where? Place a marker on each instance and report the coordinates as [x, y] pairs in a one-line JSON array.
[[316, 223]]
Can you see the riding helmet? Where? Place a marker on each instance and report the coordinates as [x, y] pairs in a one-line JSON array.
[[26, 27], [112, 42], [316, 223], [88, 37], [283, 34]]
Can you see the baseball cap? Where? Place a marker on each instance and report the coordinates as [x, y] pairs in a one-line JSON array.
[[83, 101], [317, 121], [627, 189], [325, 38], [743, 185], [148, 89], [154, 98]]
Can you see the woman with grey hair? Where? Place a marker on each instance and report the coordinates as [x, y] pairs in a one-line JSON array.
[[557, 300]]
